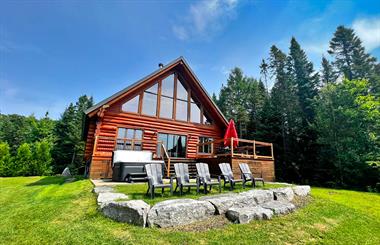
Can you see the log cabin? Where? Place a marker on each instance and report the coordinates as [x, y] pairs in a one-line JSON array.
[[170, 114]]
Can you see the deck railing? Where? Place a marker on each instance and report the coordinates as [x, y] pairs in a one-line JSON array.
[[246, 148], [165, 156]]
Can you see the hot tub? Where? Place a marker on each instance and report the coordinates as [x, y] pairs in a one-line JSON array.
[[130, 165]]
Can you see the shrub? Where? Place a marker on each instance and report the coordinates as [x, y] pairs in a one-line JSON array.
[[41, 158], [23, 163], [5, 160]]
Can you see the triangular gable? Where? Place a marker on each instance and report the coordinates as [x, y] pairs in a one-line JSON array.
[[188, 75]]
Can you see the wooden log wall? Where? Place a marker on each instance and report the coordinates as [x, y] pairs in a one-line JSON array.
[[151, 126]]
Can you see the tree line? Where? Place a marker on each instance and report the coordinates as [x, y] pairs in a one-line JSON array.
[[31, 146], [325, 125]]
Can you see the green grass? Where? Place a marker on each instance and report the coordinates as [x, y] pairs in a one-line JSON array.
[[46, 210], [138, 191]]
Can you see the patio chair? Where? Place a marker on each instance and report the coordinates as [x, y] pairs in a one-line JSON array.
[[205, 177], [228, 176], [154, 176], [248, 176], [183, 179]]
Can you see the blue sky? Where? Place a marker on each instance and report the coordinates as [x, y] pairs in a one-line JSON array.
[[53, 52]]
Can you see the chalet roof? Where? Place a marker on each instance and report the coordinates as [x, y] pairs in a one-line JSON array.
[[179, 60]]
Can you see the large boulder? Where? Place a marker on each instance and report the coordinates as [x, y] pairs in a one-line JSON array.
[[226, 201], [283, 194], [102, 189], [109, 197], [279, 207], [179, 212], [221, 202], [259, 196], [247, 214], [301, 190], [132, 212]]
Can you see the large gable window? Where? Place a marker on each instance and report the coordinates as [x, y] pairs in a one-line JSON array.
[[169, 98], [131, 105], [181, 102], [150, 101], [195, 113]]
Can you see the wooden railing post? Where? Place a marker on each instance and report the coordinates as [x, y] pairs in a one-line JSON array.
[[271, 146], [212, 149], [164, 154], [254, 149]]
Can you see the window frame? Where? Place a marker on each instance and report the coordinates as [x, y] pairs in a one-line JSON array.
[[132, 140], [199, 141], [172, 134]]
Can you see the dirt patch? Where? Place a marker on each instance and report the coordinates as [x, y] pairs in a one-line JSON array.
[[320, 227], [215, 222]]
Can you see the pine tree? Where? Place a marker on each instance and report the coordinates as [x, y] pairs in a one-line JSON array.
[[233, 100], [327, 73], [69, 146], [305, 77], [285, 110], [264, 72], [351, 59]]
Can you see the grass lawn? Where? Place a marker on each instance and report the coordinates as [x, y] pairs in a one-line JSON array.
[[45, 210]]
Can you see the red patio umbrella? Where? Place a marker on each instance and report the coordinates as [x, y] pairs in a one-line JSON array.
[[231, 132]]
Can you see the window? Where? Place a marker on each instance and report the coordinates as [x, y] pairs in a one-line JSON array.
[[131, 105], [195, 113], [129, 139], [182, 104], [166, 110], [167, 86], [174, 144], [167, 95], [150, 101], [181, 91], [204, 148]]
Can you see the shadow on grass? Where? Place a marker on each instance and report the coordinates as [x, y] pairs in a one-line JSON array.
[[54, 180]]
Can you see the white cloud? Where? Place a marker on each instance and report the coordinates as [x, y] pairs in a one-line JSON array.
[[180, 32], [205, 18], [316, 47], [7, 89], [368, 29]]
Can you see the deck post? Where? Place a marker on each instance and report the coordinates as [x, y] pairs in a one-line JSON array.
[[271, 147], [254, 149]]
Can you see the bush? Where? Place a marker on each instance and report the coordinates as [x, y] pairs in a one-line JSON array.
[[30, 160], [23, 162], [41, 159], [5, 160]]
